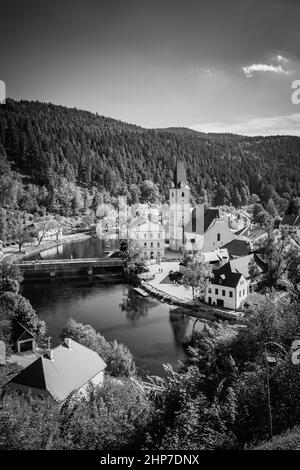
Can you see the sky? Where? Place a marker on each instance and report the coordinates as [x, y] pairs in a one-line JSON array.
[[210, 65]]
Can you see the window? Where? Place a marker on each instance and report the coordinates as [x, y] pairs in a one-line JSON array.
[[223, 293], [137, 235], [216, 291], [230, 293], [145, 235], [209, 290], [182, 194], [243, 291], [240, 293], [218, 237], [151, 244], [158, 244], [151, 235], [145, 244]]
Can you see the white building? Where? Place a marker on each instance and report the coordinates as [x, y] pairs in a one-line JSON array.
[[148, 236], [231, 283], [206, 230], [290, 225], [227, 289], [67, 369]]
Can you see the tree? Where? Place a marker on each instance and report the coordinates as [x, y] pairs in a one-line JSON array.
[[118, 358], [196, 276], [149, 191], [10, 277], [271, 208], [237, 200], [22, 229], [279, 259], [133, 259], [261, 216], [19, 309]]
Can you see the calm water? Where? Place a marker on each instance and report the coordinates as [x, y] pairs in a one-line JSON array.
[[90, 248], [154, 332]]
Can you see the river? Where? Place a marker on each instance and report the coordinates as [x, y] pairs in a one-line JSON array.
[[154, 332]]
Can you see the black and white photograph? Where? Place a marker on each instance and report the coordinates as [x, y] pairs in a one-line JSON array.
[[149, 229]]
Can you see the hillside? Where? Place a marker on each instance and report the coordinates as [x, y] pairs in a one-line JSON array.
[[52, 147]]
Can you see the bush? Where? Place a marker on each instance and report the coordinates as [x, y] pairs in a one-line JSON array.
[[117, 356]]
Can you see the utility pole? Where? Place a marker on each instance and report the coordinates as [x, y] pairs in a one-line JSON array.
[[268, 396]]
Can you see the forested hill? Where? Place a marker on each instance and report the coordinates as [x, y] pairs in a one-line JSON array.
[[53, 147]]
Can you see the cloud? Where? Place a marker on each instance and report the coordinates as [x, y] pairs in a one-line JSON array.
[[254, 126], [250, 69], [282, 59], [210, 73]]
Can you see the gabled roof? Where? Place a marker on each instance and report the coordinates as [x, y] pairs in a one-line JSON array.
[[238, 247], [233, 271], [70, 369], [215, 255], [293, 220], [149, 225], [136, 222], [210, 215], [196, 222], [20, 332], [225, 277]]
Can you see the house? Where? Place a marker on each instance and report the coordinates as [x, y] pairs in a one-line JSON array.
[[290, 224], [23, 339], [206, 230], [148, 236], [215, 258], [230, 284], [62, 371], [253, 235], [227, 288], [237, 248]]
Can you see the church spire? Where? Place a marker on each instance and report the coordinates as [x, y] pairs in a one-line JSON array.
[[179, 174]]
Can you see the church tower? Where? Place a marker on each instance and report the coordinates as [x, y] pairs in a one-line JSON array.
[[179, 208]]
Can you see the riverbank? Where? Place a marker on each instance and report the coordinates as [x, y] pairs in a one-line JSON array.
[[13, 254], [161, 287]]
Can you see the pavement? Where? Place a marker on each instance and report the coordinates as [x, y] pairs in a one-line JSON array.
[[164, 285]]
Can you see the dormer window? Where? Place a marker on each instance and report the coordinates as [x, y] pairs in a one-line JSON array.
[[218, 237]]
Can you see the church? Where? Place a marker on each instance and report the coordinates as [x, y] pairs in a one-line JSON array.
[[197, 229]]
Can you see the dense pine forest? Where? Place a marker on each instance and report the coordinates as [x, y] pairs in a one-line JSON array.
[[57, 158]]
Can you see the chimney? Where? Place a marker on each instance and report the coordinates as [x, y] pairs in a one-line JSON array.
[[49, 353], [68, 342]]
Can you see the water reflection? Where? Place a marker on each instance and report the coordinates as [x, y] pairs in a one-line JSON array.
[[90, 248], [134, 306], [153, 331]]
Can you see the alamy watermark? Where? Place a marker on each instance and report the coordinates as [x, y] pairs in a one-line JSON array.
[[296, 94], [2, 92]]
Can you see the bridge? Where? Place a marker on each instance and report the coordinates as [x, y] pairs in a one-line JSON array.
[[69, 267]]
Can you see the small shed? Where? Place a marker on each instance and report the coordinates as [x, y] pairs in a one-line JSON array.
[[23, 339]]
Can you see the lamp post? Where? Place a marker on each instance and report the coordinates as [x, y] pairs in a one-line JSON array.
[[270, 361]]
